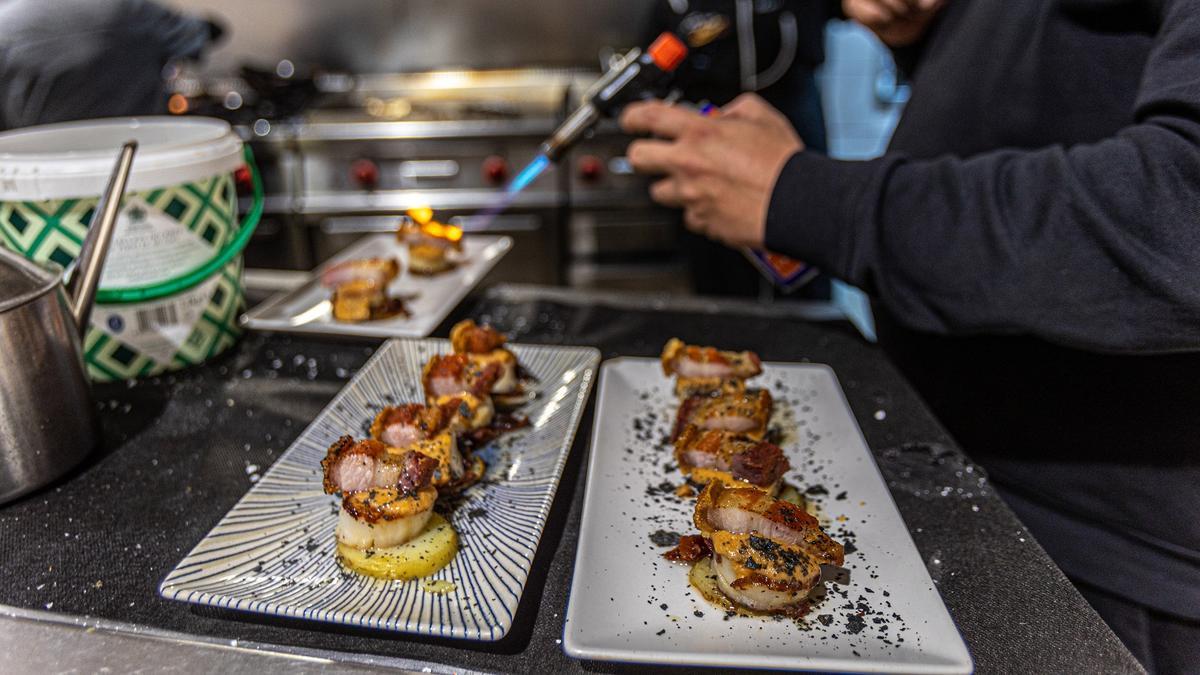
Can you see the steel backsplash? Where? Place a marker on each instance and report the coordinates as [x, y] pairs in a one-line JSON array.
[[379, 36]]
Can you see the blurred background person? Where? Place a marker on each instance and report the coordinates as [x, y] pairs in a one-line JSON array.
[[65, 60]]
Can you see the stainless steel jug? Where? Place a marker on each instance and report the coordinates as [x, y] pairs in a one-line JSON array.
[[47, 418]]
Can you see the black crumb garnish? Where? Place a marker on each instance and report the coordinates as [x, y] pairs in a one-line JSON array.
[[664, 538], [477, 512], [825, 619], [662, 632], [855, 623], [816, 490], [840, 496], [698, 614], [784, 558], [849, 547]]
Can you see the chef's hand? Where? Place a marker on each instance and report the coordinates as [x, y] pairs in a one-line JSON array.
[[719, 170], [896, 22]]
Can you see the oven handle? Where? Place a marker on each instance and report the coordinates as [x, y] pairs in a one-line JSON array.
[[428, 168]]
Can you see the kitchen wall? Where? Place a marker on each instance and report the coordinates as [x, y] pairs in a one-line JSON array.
[[371, 36]]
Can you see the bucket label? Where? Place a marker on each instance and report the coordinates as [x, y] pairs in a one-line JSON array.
[[149, 246], [157, 329]]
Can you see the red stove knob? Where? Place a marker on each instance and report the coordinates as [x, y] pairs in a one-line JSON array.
[[243, 180], [365, 173], [495, 170], [590, 168]]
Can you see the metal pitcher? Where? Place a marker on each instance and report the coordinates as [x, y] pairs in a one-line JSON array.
[[47, 418]]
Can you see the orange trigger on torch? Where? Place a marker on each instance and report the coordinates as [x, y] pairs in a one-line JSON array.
[[667, 52]]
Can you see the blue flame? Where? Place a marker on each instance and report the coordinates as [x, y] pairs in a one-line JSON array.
[[529, 174], [505, 199]]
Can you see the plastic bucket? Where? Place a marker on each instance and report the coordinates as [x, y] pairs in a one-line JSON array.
[[171, 291]]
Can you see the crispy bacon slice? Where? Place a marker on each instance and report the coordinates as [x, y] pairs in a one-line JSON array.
[[758, 463], [747, 510], [691, 548], [378, 272], [403, 425], [691, 361], [447, 375], [352, 466]]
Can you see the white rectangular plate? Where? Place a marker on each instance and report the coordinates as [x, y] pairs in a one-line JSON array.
[[627, 603], [273, 553], [306, 309]]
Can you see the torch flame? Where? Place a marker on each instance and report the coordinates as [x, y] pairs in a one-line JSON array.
[[421, 214], [424, 224], [447, 232]]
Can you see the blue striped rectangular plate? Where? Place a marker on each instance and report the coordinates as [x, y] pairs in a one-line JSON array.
[[273, 553]]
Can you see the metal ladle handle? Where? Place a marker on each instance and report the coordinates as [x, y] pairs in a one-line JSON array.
[[81, 289]]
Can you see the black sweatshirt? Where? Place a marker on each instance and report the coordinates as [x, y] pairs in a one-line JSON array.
[[1032, 240]]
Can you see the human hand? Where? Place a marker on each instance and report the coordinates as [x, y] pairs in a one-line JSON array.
[[896, 22], [720, 170]]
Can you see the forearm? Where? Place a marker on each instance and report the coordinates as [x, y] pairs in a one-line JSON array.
[[1094, 246]]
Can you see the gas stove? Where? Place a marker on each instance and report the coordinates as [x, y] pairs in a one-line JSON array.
[[365, 148]]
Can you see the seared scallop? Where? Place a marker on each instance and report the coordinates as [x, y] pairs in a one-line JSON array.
[[444, 448], [747, 413], [505, 363], [466, 412], [468, 337], [762, 574], [686, 387], [384, 517]]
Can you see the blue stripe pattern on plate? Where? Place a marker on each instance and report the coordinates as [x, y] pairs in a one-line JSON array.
[[273, 553]]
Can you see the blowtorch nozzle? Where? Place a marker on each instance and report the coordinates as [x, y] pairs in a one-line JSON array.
[[567, 133], [638, 75]]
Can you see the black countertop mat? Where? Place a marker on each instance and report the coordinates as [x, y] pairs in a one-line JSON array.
[[179, 450]]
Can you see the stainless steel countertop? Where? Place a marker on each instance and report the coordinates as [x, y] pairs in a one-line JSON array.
[[45, 642]]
